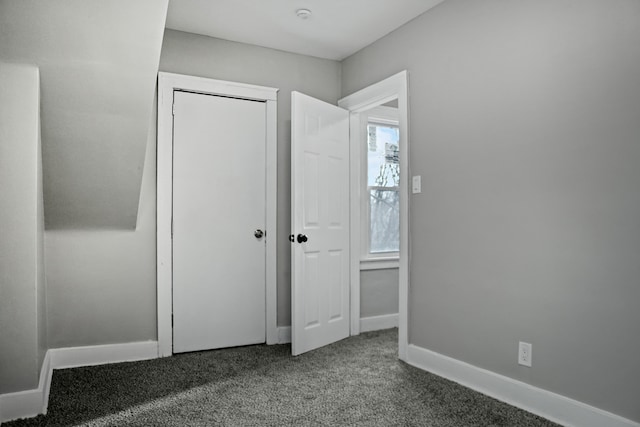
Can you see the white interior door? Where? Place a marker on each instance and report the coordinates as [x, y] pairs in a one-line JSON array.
[[218, 204], [320, 217]]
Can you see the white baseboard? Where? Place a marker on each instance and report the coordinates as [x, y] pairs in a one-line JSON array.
[[552, 406], [284, 334], [72, 357], [29, 403], [21, 404], [376, 323]]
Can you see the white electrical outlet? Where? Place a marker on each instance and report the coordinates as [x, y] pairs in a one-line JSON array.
[[524, 354]]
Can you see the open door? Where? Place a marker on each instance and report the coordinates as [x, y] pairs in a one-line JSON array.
[[320, 221]]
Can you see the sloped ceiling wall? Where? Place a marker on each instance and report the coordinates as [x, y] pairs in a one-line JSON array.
[[98, 64]]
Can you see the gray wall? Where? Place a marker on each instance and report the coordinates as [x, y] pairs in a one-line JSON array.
[[524, 124], [378, 292], [22, 326], [101, 284], [192, 54]]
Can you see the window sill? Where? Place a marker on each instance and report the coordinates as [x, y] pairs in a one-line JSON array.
[[379, 263]]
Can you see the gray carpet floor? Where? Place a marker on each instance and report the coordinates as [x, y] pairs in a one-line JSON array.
[[355, 382]]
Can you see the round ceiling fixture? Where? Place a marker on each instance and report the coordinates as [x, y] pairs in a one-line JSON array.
[[303, 13]]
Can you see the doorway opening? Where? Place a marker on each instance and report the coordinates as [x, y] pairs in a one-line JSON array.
[[363, 105], [327, 219]]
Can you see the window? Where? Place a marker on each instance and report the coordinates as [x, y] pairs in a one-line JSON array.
[[381, 201]]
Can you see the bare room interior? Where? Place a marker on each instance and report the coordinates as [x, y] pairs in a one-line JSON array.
[[479, 199]]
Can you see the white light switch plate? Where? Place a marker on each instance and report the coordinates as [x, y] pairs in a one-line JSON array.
[[416, 184]]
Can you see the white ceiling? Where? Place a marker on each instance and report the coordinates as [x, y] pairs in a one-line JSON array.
[[335, 30]]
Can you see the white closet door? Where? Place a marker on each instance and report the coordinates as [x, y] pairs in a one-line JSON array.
[[218, 205]]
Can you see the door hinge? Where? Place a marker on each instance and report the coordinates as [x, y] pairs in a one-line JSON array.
[[173, 109], [171, 228], [172, 320]]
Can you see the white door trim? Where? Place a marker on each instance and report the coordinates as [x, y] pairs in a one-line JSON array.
[[167, 83], [394, 87]]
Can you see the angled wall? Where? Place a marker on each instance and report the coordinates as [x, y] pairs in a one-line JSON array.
[[22, 297], [524, 125], [98, 63]]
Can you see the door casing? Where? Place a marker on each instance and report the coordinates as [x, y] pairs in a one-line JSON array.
[[167, 84]]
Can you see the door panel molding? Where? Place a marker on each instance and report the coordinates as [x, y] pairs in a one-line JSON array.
[[167, 84]]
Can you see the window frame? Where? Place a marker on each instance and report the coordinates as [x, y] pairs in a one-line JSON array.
[[381, 115]]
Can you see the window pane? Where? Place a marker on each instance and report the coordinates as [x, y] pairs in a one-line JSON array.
[[384, 221], [383, 168]]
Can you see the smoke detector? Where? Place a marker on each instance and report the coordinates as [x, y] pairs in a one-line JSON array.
[[303, 13]]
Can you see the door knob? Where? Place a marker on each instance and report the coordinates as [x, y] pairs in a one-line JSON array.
[[302, 238], [292, 238], [259, 234]]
